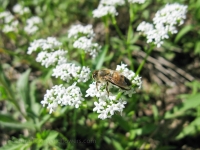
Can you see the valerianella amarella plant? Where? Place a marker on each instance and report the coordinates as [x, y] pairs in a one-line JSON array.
[[106, 105], [10, 22], [50, 54], [164, 23], [82, 37], [108, 7]]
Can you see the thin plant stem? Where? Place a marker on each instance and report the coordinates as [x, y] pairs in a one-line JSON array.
[[114, 22], [83, 57], [106, 29], [129, 36], [74, 127], [144, 60]]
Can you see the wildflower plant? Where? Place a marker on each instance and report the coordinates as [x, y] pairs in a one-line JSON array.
[[51, 54], [69, 48]]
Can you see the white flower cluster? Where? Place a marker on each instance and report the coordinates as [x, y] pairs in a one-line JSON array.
[[87, 45], [59, 95], [50, 58], [164, 22], [32, 23], [20, 9], [137, 1], [106, 7], [49, 54], [8, 22], [69, 71], [78, 30], [44, 44], [106, 105], [83, 36]]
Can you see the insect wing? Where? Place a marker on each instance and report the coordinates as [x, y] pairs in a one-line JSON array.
[[122, 82]]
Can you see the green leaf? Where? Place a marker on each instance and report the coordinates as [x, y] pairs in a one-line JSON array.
[[117, 145], [155, 112], [122, 122], [17, 144], [191, 102], [9, 122], [23, 87], [3, 94], [101, 58], [197, 47], [182, 32], [192, 129]]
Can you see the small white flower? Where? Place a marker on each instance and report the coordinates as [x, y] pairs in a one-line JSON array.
[[164, 22], [87, 45], [137, 1], [11, 27], [32, 23], [44, 44], [79, 30], [20, 9], [113, 2], [171, 14], [69, 71], [59, 95], [9, 24], [104, 10], [51, 58], [106, 105]]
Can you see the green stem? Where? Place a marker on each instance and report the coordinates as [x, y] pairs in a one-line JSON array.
[[74, 127], [114, 22], [130, 35], [83, 57], [106, 29], [144, 60]]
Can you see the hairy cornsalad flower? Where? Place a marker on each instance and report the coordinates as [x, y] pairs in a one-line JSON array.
[[51, 58], [87, 45], [59, 95], [113, 2], [44, 44], [20, 9], [107, 7], [78, 30], [49, 51], [9, 24], [106, 105], [69, 71], [164, 22], [82, 39], [31, 24], [137, 1]]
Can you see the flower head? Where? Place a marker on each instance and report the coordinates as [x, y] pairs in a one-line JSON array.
[[69, 71], [59, 95], [51, 58], [32, 23], [9, 22], [20, 9], [107, 105], [164, 22], [79, 30], [83, 39], [137, 1], [87, 45], [44, 44]]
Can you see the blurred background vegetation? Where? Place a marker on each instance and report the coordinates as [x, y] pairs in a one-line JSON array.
[[164, 114]]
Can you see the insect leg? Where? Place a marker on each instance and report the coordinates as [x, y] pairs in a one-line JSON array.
[[107, 88], [97, 85]]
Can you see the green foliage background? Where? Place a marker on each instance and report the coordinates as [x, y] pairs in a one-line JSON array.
[[150, 119]]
